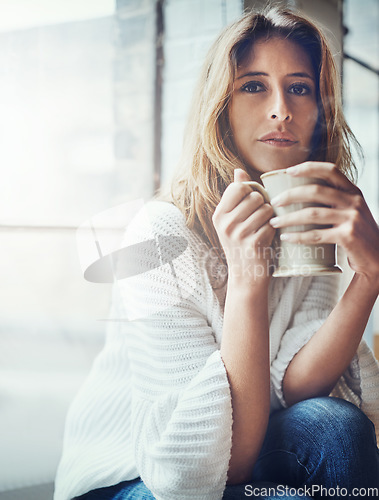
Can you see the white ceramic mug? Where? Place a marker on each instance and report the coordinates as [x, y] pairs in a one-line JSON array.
[[294, 259]]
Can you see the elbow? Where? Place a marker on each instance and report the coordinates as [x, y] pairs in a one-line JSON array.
[[293, 397], [170, 482], [238, 478], [240, 468], [164, 483], [298, 389]]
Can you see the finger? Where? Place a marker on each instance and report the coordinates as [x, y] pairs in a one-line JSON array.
[[248, 206], [240, 226], [265, 234], [256, 220], [312, 237], [310, 215], [233, 195], [313, 193], [240, 175], [323, 170]]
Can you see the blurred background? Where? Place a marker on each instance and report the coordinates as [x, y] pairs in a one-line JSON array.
[[93, 100]]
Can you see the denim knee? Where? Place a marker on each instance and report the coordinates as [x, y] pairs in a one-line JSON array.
[[325, 441], [343, 440], [337, 419]]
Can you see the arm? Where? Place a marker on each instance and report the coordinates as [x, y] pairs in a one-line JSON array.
[[245, 353], [319, 364], [180, 396], [241, 221], [316, 368]]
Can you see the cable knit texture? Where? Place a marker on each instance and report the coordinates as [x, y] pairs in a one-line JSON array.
[[157, 402]]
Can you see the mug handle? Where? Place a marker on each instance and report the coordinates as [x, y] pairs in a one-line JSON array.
[[258, 187], [255, 186]]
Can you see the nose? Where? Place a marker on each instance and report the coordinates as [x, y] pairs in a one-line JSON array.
[[279, 107]]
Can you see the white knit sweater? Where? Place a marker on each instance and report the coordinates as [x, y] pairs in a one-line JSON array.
[[157, 402]]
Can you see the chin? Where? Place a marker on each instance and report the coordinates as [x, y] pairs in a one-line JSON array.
[[275, 162], [262, 168]]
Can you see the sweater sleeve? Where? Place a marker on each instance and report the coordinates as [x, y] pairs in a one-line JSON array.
[[181, 414], [360, 384], [314, 298]]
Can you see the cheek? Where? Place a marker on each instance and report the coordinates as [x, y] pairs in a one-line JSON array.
[[239, 122], [310, 119], [235, 114]]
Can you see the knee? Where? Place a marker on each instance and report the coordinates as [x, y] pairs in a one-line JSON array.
[[336, 420]]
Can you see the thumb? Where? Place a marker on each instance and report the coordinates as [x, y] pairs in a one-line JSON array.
[[240, 175]]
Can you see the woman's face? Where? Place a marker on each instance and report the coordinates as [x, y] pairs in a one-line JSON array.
[[273, 110]]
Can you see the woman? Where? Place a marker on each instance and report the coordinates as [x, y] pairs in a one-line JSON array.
[[217, 383]]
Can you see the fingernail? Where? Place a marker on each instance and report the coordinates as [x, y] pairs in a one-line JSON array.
[[292, 170], [274, 221], [276, 201], [286, 237]]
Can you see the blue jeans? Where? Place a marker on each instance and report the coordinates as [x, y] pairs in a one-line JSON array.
[[318, 448]]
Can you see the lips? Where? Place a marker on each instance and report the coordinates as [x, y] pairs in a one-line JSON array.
[[279, 139]]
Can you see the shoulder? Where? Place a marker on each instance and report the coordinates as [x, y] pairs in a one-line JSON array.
[[163, 259], [164, 210], [166, 217], [158, 216], [166, 224], [158, 234]]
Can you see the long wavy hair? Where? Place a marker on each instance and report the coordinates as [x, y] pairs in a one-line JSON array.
[[209, 155]]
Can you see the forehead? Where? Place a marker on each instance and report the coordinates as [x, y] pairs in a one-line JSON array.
[[276, 54]]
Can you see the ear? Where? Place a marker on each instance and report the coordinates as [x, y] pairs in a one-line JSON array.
[[240, 175]]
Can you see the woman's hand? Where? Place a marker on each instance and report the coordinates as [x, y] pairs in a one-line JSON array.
[[347, 218], [241, 221]]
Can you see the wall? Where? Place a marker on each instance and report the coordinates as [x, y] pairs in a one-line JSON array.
[[134, 78], [190, 28]]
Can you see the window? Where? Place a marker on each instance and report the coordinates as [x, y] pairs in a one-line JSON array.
[[58, 168], [361, 102]]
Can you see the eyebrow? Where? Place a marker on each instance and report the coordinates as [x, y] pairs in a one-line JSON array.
[[261, 73]]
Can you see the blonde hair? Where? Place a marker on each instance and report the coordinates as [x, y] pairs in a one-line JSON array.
[[209, 155]]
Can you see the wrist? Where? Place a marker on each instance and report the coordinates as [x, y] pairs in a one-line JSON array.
[[250, 274], [248, 285], [367, 283]]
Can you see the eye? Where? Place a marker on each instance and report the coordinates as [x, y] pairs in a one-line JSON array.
[[253, 87], [300, 89]]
